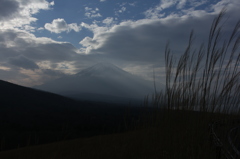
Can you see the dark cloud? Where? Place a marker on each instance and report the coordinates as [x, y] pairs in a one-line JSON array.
[[23, 62], [7, 35], [23, 53], [52, 52], [55, 73], [13, 43], [6, 53], [8, 9], [147, 42]]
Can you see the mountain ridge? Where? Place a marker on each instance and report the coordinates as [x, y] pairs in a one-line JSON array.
[[103, 68], [101, 79]]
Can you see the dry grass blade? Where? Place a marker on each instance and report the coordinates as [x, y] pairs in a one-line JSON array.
[[207, 79]]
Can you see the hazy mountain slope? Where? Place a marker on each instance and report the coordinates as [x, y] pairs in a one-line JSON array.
[[29, 116], [102, 79]]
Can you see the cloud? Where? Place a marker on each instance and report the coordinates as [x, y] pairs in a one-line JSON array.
[[54, 52], [92, 13], [23, 62], [40, 29], [145, 39], [132, 4], [156, 12], [123, 9], [89, 44], [19, 13], [55, 73], [164, 4], [12, 75], [133, 44], [161, 10], [108, 21], [25, 57], [102, 0], [59, 25], [140, 44], [181, 4], [8, 9]]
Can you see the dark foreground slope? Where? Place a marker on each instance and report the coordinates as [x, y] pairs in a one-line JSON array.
[[29, 117], [172, 135]]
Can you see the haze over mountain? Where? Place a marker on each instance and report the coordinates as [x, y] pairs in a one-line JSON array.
[[103, 82]]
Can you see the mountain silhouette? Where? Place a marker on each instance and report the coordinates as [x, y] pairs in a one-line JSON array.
[[101, 82], [103, 69]]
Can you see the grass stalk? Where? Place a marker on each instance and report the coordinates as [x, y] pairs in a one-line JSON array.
[[206, 80]]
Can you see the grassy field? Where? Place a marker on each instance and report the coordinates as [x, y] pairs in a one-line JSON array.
[[206, 80]]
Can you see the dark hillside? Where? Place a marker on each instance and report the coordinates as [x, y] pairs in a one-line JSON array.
[[29, 116]]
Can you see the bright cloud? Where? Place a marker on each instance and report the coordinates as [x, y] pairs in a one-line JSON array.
[[92, 13], [159, 10], [108, 21], [59, 25], [145, 39], [123, 9], [41, 28], [19, 13]]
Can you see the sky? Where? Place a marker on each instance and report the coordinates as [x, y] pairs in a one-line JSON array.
[[41, 40]]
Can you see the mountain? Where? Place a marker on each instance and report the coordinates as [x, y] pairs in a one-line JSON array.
[[29, 116], [24, 110], [27, 108], [101, 82], [16, 96], [103, 69]]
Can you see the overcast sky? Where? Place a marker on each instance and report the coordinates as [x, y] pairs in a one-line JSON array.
[[42, 40]]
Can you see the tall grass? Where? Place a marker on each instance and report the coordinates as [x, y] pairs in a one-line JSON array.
[[205, 79]]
